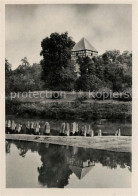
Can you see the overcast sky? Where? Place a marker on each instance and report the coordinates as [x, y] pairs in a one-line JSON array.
[[106, 27]]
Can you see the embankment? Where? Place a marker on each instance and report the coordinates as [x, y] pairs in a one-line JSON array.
[[92, 109], [110, 143]]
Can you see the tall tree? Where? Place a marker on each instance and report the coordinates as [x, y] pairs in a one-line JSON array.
[[88, 79], [25, 62], [57, 68], [7, 67], [8, 75]]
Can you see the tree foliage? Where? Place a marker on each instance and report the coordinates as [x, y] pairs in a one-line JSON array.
[[88, 81], [8, 73], [58, 70], [24, 78], [112, 70]]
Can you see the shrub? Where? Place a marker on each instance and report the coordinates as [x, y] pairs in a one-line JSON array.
[[82, 98], [124, 97], [56, 95]]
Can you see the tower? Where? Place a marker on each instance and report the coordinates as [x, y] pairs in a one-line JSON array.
[[83, 48]]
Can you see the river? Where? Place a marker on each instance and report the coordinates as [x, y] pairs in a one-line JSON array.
[[36, 165]]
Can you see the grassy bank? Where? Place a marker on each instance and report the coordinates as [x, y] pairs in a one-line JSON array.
[[94, 109], [110, 143]]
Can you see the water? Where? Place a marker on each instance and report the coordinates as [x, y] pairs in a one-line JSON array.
[[35, 165]]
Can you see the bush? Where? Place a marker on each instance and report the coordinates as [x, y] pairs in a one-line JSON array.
[[56, 95], [101, 95], [123, 97], [82, 98]]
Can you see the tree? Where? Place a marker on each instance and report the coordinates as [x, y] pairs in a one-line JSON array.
[[118, 69], [57, 68], [88, 81], [25, 62], [26, 78], [8, 75], [110, 56], [7, 67], [99, 65]]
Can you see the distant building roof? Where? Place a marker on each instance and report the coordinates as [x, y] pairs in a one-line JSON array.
[[83, 44], [80, 172]]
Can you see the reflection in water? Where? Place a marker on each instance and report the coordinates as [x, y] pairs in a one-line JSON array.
[[7, 147], [54, 171], [59, 163], [80, 168]]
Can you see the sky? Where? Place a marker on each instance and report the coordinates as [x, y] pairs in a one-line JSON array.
[[106, 27]]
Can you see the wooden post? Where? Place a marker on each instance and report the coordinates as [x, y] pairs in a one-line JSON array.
[[9, 127], [116, 133], [13, 126], [88, 130], [77, 130], [47, 128], [71, 129], [37, 128], [9, 124], [82, 130], [91, 133], [119, 132], [62, 131], [18, 128], [28, 127], [85, 130], [32, 128], [67, 130], [74, 128], [42, 128], [24, 128], [100, 133]]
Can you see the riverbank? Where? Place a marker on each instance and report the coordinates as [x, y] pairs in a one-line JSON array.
[[110, 143], [86, 110]]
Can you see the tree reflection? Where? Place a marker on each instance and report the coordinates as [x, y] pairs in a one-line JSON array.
[[54, 171], [8, 147], [106, 158], [59, 162], [23, 148]]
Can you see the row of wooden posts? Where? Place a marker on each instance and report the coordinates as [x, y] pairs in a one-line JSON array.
[[43, 128]]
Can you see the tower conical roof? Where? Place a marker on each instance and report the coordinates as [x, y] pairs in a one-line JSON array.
[[80, 172], [84, 44]]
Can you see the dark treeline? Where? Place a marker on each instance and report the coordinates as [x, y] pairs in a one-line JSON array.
[[24, 78], [110, 71]]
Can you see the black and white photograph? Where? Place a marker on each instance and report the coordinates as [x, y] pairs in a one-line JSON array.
[[68, 95]]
